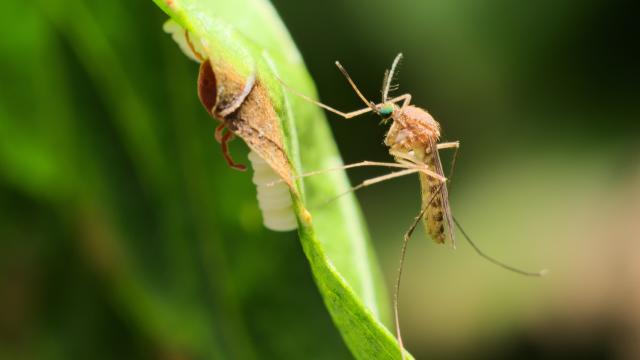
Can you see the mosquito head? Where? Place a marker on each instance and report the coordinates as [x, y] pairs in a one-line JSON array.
[[386, 109]]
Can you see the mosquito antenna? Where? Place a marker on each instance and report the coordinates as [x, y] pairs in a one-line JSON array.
[[384, 85], [389, 77], [355, 88], [495, 261]]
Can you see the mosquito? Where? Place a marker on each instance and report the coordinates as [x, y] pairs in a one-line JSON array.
[[413, 141]]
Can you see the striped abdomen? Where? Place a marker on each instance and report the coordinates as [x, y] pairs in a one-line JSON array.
[[437, 218]]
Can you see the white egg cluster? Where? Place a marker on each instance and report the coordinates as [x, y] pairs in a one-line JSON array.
[[274, 198]]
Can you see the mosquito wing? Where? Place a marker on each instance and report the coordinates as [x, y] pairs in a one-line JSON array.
[[437, 218]]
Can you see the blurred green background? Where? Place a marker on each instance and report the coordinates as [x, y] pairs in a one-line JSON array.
[[123, 234]]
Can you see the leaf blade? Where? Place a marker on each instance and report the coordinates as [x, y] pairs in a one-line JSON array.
[[336, 243]]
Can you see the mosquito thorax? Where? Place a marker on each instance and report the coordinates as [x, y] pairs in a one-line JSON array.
[[412, 128]]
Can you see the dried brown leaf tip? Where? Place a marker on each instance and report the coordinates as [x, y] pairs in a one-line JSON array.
[[245, 109]]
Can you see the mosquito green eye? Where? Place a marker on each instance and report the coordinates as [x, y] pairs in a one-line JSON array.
[[385, 110]]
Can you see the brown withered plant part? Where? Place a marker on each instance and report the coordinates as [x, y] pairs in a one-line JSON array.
[[244, 108]]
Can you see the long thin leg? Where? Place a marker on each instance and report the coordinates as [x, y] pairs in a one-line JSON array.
[[403, 253], [406, 99], [449, 145], [372, 181], [408, 159], [346, 115], [376, 163], [353, 85], [226, 138], [371, 104], [453, 160], [456, 146], [399, 155], [416, 167], [495, 261], [235, 104]]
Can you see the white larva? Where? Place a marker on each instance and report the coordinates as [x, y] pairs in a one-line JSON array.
[[274, 198]]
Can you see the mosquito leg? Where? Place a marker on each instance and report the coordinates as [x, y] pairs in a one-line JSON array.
[[224, 142], [408, 170], [453, 160], [412, 160], [449, 145], [404, 156], [416, 167], [350, 166], [359, 164], [406, 101], [353, 85], [405, 98], [403, 253], [494, 260], [433, 174], [382, 178], [235, 104], [456, 146], [347, 115], [373, 181]]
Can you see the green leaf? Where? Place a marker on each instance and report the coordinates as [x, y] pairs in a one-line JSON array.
[[248, 34]]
